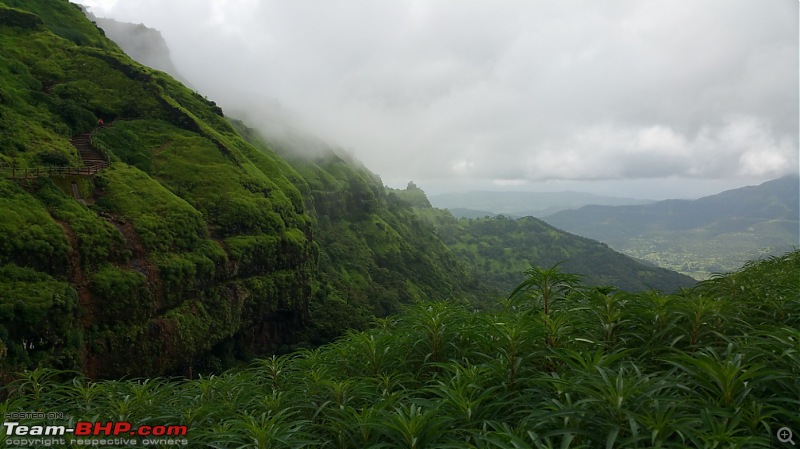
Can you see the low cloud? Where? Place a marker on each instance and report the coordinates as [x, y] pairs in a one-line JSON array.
[[508, 91]]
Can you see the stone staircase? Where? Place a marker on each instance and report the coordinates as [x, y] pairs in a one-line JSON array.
[[93, 162], [90, 156]]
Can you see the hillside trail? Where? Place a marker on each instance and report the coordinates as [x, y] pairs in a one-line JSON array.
[[89, 156]]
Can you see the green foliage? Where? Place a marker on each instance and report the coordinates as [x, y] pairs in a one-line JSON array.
[[236, 200], [52, 89], [66, 20], [412, 195], [30, 236], [545, 285], [185, 275], [500, 249], [39, 318], [375, 253], [98, 241], [18, 18], [163, 221], [146, 248], [443, 375], [121, 294]]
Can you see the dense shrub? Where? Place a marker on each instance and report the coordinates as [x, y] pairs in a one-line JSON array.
[[716, 366], [56, 158], [121, 295]]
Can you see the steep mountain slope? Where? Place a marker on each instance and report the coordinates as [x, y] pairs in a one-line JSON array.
[[327, 174], [185, 243], [714, 233], [375, 252], [145, 45], [194, 247]]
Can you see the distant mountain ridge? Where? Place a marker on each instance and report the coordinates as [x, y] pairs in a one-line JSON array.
[[522, 204], [713, 233]]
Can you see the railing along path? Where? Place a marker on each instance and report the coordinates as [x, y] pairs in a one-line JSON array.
[[93, 161]]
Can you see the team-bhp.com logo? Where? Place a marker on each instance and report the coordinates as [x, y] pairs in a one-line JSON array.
[[87, 433]]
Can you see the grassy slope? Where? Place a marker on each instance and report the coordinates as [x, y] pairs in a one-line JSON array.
[[187, 242], [716, 366]]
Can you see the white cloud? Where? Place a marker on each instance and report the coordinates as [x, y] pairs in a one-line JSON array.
[[101, 8], [506, 90]]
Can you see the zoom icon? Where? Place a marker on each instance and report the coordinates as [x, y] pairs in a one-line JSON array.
[[785, 435]]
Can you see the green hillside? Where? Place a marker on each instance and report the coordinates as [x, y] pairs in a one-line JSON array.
[[485, 256], [194, 248], [183, 243], [498, 249], [199, 246], [711, 234], [714, 366], [375, 252]]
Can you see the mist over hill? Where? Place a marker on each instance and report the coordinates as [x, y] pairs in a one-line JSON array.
[[143, 44]]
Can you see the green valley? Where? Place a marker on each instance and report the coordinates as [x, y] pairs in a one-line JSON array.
[[499, 249], [712, 234]]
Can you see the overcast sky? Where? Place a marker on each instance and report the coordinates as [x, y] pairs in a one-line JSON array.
[[655, 99]]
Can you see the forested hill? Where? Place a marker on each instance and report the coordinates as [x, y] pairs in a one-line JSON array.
[[714, 233], [498, 250], [375, 252]]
